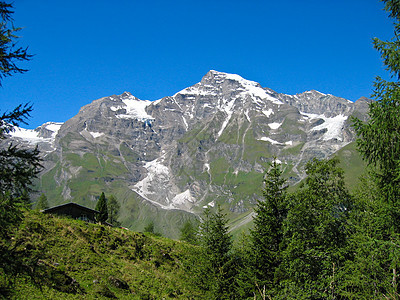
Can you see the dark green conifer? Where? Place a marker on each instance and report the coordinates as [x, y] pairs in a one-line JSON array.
[[316, 232], [101, 207], [267, 235], [113, 211], [149, 227], [18, 166], [189, 233], [217, 264], [374, 270], [42, 202]]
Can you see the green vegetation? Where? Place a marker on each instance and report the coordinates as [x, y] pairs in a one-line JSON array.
[[113, 211], [102, 209], [18, 166], [149, 228], [216, 269], [267, 235], [315, 231], [352, 164], [61, 258], [42, 202], [189, 233]]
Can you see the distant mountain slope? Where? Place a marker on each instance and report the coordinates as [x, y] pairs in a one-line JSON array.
[[209, 143]]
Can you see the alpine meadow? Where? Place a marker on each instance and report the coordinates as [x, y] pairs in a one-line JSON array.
[[224, 190]]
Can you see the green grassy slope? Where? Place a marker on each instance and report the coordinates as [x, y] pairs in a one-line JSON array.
[[71, 259], [105, 173], [352, 164]]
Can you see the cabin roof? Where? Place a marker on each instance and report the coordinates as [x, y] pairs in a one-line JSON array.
[[70, 204]]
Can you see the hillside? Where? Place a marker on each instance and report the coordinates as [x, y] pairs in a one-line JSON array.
[[60, 258]]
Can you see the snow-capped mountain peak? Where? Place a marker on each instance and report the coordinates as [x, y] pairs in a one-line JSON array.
[[203, 145], [45, 134]]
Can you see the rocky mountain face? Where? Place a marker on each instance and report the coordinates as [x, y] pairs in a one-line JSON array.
[[209, 143]]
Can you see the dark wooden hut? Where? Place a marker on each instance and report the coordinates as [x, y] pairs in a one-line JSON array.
[[73, 210]]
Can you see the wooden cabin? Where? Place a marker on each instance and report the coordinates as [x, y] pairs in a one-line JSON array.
[[73, 210]]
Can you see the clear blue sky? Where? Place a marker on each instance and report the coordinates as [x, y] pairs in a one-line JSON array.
[[85, 50]]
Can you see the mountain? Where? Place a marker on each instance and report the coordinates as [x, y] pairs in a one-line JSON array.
[[210, 143]]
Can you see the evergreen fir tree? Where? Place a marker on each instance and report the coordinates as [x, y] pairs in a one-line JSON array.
[[113, 211], [42, 202], [378, 139], [101, 207], [18, 166], [267, 235], [371, 272], [188, 233], [315, 232], [217, 266], [149, 227], [374, 271]]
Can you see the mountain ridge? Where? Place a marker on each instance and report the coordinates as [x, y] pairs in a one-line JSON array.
[[206, 144]]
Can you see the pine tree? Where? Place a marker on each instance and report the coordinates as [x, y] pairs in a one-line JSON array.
[[113, 211], [374, 272], [217, 264], [315, 234], [8, 53], [378, 139], [371, 272], [149, 228], [188, 233], [18, 166], [42, 202], [101, 207], [267, 235]]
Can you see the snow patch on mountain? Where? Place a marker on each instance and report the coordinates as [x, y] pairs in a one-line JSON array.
[[267, 139], [333, 125], [252, 88], [32, 136], [155, 102], [96, 134], [182, 198], [54, 127], [268, 112], [156, 173], [228, 109], [211, 204], [309, 116], [275, 125], [246, 113], [194, 91], [273, 142], [29, 135], [135, 109], [314, 92], [185, 122]]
